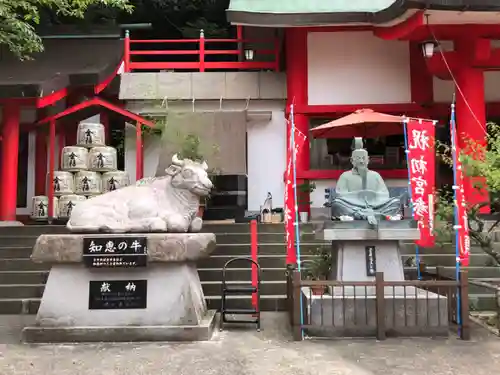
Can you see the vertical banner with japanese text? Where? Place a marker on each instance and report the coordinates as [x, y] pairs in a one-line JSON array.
[[461, 220], [290, 204], [421, 164]]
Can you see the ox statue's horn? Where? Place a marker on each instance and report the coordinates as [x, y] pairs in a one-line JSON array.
[[204, 165], [177, 161]]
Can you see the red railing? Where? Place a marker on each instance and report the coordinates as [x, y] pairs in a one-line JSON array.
[[244, 57]]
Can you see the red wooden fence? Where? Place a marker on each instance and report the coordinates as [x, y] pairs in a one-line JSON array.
[[202, 51]]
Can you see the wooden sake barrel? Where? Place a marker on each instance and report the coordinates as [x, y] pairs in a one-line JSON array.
[[74, 158], [87, 183], [66, 204], [40, 208], [102, 159], [90, 135], [114, 180], [63, 183]]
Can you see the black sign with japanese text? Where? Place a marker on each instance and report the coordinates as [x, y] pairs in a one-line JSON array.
[[115, 252], [118, 294], [371, 261]]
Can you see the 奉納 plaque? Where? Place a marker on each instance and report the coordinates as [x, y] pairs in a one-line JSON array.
[[371, 261], [118, 294], [115, 252]]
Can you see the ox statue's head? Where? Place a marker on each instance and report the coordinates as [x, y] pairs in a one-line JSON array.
[[190, 175]]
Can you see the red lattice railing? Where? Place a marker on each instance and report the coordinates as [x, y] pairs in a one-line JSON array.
[[201, 54]]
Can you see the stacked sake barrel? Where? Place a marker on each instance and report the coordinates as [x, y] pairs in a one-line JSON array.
[[87, 169]]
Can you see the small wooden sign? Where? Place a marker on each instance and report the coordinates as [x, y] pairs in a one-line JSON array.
[[371, 260], [115, 252], [118, 294]]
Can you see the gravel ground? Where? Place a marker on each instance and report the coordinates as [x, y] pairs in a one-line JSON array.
[[246, 352]]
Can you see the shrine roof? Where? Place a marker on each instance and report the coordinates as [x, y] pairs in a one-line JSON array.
[[321, 12], [68, 60]]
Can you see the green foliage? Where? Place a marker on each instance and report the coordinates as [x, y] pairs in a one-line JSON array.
[[183, 18], [304, 190], [18, 19], [320, 267], [478, 160]]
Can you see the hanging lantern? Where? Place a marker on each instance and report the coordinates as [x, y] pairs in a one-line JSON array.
[[428, 48]]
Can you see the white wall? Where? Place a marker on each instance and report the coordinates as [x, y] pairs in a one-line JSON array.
[[357, 68], [266, 155]]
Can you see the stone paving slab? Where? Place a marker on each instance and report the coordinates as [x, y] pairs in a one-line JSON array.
[[246, 352]]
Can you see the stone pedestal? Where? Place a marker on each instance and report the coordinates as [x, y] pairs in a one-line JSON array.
[[174, 307], [352, 310]]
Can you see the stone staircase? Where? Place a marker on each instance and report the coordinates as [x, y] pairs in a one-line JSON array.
[[22, 281]]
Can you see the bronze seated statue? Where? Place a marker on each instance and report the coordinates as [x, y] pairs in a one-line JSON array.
[[361, 194]]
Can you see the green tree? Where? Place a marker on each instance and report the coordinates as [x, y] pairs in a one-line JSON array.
[[182, 18], [19, 18], [477, 161]]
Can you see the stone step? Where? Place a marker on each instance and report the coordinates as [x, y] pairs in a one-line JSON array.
[[214, 288], [208, 227], [241, 274], [445, 249], [15, 252], [482, 302], [278, 248], [267, 303], [265, 261], [8, 241], [21, 291], [23, 277], [15, 306], [21, 264], [24, 252], [235, 238], [434, 260]]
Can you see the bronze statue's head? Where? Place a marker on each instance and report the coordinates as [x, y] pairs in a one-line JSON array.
[[359, 156]]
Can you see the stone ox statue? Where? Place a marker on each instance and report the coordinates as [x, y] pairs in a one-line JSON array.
[[164, 204]]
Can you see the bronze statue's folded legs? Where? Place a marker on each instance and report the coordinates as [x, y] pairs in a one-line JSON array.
[[390, 208]]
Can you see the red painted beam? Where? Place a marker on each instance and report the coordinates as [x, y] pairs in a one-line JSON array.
[[100, 103], [393, 108], [440, 64], [102, 85], [51, 99], [401, 30], [456, 31]]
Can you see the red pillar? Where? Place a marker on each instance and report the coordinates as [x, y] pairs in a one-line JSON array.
[[139, 149], [471, 113], [296, 80], [422, 85], [10, 159]]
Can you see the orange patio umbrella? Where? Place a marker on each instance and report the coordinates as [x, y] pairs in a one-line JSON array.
[[364, 123]]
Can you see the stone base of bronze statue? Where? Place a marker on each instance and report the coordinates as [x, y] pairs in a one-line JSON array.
[[359, 251], [122, 287]]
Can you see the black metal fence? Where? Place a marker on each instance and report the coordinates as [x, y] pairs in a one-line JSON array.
[[379, 308]]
